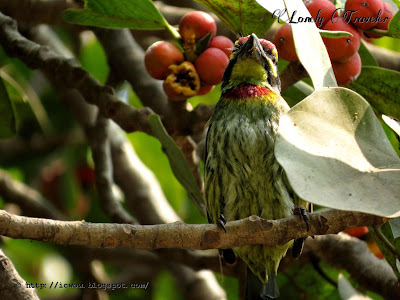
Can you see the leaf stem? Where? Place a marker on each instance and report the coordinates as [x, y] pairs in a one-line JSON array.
[[385, 241], [172, 30], [383, 33]]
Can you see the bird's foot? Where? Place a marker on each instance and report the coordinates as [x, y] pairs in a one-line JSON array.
[[221, 221], [302, 213], [298, 243]]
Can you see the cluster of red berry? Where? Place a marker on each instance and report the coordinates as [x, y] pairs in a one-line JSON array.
[[358, 16], [200, 64]]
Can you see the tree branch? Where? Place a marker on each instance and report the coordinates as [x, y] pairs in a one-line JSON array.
[[384, 57], [352, 255], [31, 202], [291, 74], [11, 148], [100, 145], [126, 57], [37, 11], [12, 286], [69, 73], [252, 230]]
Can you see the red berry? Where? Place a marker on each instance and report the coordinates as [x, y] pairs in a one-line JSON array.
[[374, 248], [284, 43], [357, 232], [366, 12], [183, 82], [223, 43], [196, 24], [211, 65], [386, 13], [386, 16], [85, 175], [242, 39], [342, 48], [205, 89], [346, 72], [327, 10], [160, 56]]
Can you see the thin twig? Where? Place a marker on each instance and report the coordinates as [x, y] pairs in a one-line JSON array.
[[31, 201], [99, 142], [384, 240]]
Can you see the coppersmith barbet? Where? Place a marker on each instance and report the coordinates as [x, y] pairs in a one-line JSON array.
[[242, 176]]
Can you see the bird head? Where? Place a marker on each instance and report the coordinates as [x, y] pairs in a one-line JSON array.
[[254, 62]]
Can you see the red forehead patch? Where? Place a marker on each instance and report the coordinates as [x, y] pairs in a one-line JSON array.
[[243, 39], [267, 44]]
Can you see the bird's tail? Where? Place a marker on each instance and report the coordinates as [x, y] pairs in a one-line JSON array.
[[257, 290]]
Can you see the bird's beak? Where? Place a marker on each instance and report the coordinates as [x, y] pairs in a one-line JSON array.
[[253, 49]]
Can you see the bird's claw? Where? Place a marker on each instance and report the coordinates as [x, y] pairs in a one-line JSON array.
[[221, 221], [302, 213], [298, 243]]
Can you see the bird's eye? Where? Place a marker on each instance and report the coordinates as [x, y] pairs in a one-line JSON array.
[[270, 49], [239, 43]]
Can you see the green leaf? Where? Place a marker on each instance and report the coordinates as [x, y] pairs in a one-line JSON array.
[[397, 2], [334, 34], [387, 233], [336, 154], [394, 25], [395, 227], [380, 87], [308, 42], [297, 92], [134, 14], [366, 57], [8, 126], [93, 58], [177, 161], [27, 106], [241, 16], [392, 123]]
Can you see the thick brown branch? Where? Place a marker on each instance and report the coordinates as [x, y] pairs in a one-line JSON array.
[[12, 286], [252, 230], [352, 255], [69, 73]]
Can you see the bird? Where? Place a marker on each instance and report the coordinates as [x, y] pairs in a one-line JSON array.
[[242, 176]]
